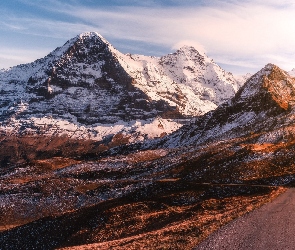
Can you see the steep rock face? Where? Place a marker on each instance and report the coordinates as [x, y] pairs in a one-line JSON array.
[[88, 89], [264, 107], [57, 202], [186, 79], [281, 88], [88, 82]]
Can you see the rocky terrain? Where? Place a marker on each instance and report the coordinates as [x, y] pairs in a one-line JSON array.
[[87, 89], [66, 192], [263, 108]]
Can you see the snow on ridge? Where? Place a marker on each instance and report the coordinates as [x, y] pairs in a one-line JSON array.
[[255, 82], [187, 80], [241, 79], [251, 111], [136, 130], [250, 88], [199, 83]]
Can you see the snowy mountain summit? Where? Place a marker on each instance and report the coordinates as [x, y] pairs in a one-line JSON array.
[[88, 89], [186, 79], [262, 110]]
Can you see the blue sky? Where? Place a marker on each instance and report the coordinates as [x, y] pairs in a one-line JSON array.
[[241, 36]]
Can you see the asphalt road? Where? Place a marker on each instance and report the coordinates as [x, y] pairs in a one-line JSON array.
[[272, 227]]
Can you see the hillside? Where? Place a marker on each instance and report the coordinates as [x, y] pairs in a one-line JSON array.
[[87, 97], [87, 89], [263, 107], [167, 192]]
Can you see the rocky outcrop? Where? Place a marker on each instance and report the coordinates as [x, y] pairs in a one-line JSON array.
[[87, 89], [264, 106]]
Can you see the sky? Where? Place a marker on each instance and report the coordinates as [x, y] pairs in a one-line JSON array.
[[240, 36]]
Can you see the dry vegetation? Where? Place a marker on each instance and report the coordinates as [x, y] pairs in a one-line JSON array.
[[164, 215], [160, 225], [153, 199], [24, 149]]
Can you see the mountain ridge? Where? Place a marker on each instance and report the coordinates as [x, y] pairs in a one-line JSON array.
[[88, 89], [65, 191], [262, 106]]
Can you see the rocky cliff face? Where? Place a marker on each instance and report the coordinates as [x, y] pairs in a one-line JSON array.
[[223, 164], [88, 89], [264, 106], [186, 79]]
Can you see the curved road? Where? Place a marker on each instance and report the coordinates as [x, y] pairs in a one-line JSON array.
[[270, 227]]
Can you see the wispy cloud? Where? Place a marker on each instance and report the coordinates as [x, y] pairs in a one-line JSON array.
[[14, 56], [244, 33], [45, 28], [252, 29]]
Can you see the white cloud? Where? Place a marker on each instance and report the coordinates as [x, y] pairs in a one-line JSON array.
[[46, 28], [243, 33], [13, 56], [260, 30]]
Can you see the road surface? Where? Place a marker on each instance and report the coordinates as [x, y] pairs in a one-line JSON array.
[[271, 227]]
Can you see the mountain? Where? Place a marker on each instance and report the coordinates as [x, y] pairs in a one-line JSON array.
[[263, 106], [59, 113], [169, 192], [242, 78], [186, 79], [59, 191], [87, 89]]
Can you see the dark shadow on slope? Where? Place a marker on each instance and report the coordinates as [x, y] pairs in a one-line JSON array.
[[148, 209], [114, 83]]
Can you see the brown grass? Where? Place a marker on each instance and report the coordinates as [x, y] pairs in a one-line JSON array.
[[55, 163], [147, 155], [43, 169], [87, 187], [185, 226]]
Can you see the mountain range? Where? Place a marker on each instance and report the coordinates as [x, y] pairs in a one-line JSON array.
[[103, 150], [264, 106], [87, 89]]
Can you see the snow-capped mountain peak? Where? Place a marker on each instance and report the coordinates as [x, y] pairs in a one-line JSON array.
[[272, 81], [264, 106], [191, 52], [191, 81], [87, 85], [90, 34]]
